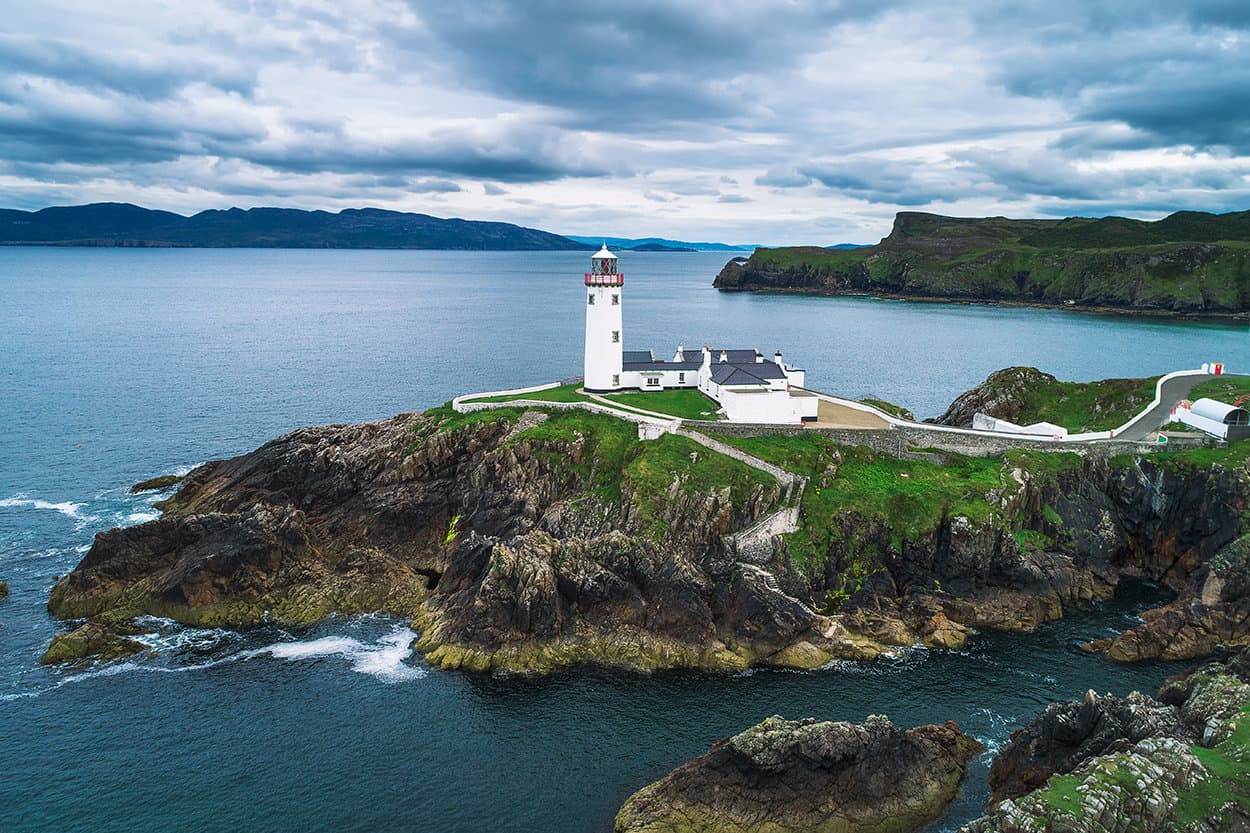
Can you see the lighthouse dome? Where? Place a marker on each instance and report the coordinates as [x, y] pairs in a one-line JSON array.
[[603, 254]]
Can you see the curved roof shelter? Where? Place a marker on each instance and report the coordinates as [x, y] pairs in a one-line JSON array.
[[1220, 412]]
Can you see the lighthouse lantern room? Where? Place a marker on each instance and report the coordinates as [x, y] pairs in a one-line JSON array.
[[604, 285]]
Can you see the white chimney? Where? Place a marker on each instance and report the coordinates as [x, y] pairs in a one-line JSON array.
[[723, 357], [681, 355], [777, 358]]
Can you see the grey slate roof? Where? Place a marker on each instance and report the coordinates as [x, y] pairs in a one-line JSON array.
[[686, 365], [637, 356], [744, 373]]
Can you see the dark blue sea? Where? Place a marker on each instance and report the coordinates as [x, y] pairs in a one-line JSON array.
[[116, 365]]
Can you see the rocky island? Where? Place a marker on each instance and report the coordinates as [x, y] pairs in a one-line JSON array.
[[809, 777], [1190, 263], [1175, 762], [526, 539]]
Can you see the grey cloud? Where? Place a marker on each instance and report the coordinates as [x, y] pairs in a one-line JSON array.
[[629, 67], [783, 178], [733, 198], [132, 73]]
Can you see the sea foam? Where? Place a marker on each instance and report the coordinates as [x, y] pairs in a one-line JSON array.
[[384, 659], [66, 508]]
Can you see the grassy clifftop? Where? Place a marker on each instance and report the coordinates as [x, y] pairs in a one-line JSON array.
[[1189, 262]]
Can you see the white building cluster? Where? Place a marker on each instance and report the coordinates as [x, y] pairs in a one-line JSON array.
[[747, 386]]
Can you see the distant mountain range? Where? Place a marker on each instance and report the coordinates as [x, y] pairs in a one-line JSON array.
[[122, 224], [661, 244]]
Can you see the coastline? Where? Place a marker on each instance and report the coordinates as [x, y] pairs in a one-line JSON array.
[[1132, 312]]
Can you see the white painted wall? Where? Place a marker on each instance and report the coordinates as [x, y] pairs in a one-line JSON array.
[[774, 406], [603, 351], [1210, 426]]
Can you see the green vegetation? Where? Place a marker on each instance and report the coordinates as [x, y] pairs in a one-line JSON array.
[[613, 462], [563, 393], [1188, 262], [1229, 763], [686, 403], [912, 497], [1229, 456], [890, 408], [1086, 406], [1224, 389]]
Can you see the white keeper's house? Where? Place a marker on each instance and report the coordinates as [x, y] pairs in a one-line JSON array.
[[748, 386]]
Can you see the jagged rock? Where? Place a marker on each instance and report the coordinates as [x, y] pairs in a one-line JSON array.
[[805, 775], [4, 589], [1066, 735], [1084, 772], [1000, 395], [92, 642]]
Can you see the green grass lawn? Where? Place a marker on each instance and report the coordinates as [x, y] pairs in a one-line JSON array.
[[686, 403], [1225, 389], [890, 408], [912, 496], [1088, 406], [564, 393]]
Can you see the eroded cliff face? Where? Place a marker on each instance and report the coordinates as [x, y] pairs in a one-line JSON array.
[[533, 540], [516, 541], [1063, 533]]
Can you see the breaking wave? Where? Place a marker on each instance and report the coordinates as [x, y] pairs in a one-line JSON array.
[[384, 659], [67, 508]]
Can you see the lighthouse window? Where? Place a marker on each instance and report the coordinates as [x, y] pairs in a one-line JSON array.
[[590, 299], [616, 336], [616, 299], [616, 380]]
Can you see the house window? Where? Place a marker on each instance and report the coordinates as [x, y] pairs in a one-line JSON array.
[[590, 299], [616, 336], [653, 381], [681, 378], [616, 299], [616, 380]]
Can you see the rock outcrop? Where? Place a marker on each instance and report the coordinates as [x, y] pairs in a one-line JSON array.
[[808, 776], [4, 589], [1066, 735], [1001, 395], [1180, 763], [156, 484], [91, 642], [533, 540], [514, 544]]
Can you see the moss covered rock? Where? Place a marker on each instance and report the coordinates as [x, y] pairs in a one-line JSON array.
[[92, 642], [808, 776]]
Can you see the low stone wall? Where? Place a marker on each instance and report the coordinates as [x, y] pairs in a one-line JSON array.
[[896, 441]]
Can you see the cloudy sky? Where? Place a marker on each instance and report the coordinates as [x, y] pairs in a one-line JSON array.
[[775, 122]]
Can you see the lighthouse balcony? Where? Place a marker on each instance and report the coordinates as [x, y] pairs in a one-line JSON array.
[[605, 280]]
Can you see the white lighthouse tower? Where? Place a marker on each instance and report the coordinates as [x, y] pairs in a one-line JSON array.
[[602, 369]]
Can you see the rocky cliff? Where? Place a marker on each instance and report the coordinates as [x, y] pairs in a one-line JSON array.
[[529, 540], [808, 777], [1189, 263], [1176, 763]]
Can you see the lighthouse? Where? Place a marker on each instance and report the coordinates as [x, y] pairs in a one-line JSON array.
[[602, 368]]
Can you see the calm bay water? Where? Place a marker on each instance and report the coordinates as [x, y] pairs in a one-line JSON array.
[[117, 365]]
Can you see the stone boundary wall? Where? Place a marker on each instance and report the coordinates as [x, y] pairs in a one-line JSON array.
[[895, 441]]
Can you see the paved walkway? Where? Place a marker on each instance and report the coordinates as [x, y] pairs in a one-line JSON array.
[[832, 415], [1174, 390]]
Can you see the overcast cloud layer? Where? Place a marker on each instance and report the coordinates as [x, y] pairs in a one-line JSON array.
[[777, 122]]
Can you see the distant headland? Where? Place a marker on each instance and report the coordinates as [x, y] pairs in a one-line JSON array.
[[1189, 263]]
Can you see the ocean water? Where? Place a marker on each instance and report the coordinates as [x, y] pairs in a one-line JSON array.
[[117, 365]]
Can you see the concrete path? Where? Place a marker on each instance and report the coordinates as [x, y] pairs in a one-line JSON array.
[[1172, 392], [832, 415]]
